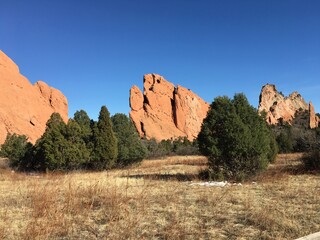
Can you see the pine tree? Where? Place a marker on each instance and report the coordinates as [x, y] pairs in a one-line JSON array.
[[130, 147], [105, 149]]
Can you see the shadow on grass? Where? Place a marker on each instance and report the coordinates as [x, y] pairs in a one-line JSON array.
[[297, 169], [283, 171], [165, 177]]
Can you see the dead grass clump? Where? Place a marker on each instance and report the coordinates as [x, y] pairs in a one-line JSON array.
[[175, 160], [285, 166], [4, 163]]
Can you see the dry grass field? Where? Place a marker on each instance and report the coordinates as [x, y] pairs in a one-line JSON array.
[[157, 201]]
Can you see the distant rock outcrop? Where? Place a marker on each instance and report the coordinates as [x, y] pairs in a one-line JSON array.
[[281, 109], [25, 108], [313, 118], [164, 111]]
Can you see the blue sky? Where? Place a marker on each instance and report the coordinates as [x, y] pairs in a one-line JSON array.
[[95, 50]]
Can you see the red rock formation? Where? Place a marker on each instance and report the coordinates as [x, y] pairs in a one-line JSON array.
[[280, 108], [190, 110], [24, 108], [313, 118], [164, 111], [55, 98]]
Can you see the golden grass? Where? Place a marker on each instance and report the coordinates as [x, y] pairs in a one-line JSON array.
[[156, 201]]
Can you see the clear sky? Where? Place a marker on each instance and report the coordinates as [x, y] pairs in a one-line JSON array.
[[95, 50]]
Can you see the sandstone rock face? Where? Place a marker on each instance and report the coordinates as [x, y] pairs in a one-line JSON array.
[[25, 108], [55, 98], [313, 118], [283, 109], [164, 111]]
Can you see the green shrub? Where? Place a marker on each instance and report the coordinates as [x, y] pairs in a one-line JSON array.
[[76, 155], [83, 120], [284, 141], [311, 159], [183, 146], [157, 149], [51, 148], [180, 146], [16, 148], [302, 144], [236, 139], [130, 148]]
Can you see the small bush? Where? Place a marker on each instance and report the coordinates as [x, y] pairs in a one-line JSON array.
[[302, 145], [284, 141], [183, 146], [16, 149], [311, 160], [180, 146]]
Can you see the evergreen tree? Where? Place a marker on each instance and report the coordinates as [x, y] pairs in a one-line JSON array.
[[83, 120], [130, 147], [17, 149], [105, 149], [51, 148], [235, 139], [77, 154], [263, 139]]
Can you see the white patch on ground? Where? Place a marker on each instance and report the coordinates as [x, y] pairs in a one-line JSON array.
[[215, 184]]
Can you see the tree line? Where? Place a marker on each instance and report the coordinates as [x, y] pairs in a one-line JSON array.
[[82, 143], [235, 138]]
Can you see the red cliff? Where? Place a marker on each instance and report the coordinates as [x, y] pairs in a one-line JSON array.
[[279, 108], [25, 108], [164, 111]]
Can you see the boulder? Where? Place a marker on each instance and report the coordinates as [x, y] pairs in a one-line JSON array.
[[25, 108], [164, 111]]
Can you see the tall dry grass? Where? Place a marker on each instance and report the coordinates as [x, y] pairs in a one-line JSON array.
[[156, 201]]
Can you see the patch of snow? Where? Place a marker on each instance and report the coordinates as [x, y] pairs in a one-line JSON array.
[[214, 184], [211, 184], [237, 184]]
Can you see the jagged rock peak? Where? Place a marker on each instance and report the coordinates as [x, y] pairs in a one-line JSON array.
[[279, 108], [25, 108], [164, 111], [314, 120]]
